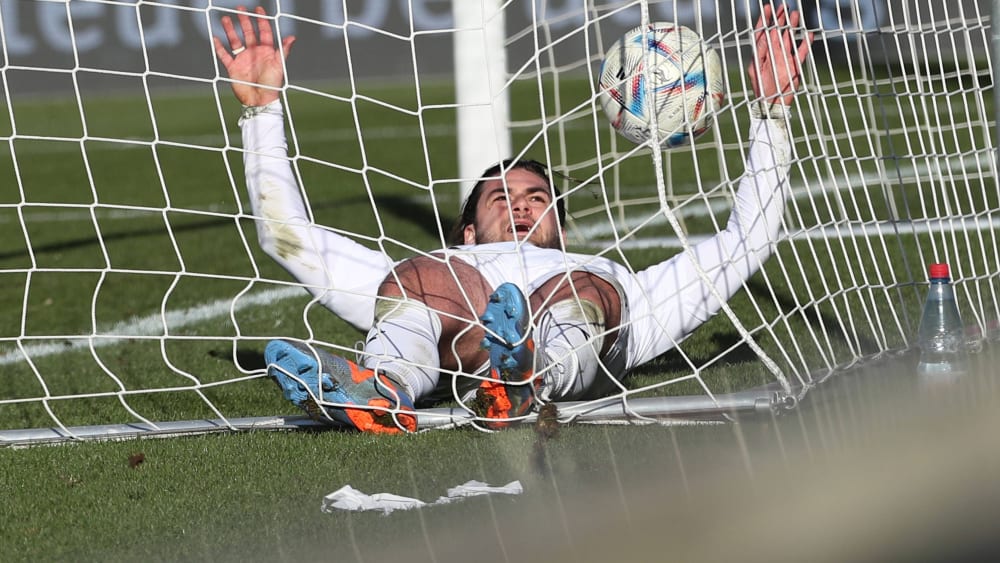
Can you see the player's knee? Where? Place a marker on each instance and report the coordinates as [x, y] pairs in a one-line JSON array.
[[454, 289], [586, 287], [416, 278]]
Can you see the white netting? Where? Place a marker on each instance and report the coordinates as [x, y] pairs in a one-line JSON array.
[[137, 292]]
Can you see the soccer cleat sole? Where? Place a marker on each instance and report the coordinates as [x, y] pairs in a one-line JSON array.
[[512, 353], [326, 386]]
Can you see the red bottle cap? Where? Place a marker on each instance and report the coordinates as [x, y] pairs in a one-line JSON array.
[[939, 271]]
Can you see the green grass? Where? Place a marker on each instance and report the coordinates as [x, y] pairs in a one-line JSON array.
[[855, 454], [93, 235], [257, 496]]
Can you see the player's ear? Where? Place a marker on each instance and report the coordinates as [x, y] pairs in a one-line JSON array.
[[469, 234]]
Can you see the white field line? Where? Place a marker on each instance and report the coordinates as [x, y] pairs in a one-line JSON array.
[[591, 233], [152, 325], [853, 230], [63, 145], [587, 231]]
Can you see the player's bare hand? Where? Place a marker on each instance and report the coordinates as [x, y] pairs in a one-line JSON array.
[[777, 66], [253, 61]]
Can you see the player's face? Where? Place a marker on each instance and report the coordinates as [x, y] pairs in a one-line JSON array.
[[522, 211]]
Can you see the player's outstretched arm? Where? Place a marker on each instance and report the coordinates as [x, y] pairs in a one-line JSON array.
[[343, 275], [685, 291]]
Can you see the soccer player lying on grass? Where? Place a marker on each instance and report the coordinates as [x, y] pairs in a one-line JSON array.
[[529, 322]]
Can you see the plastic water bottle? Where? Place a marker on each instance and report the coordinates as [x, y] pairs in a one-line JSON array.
[[941, 335]]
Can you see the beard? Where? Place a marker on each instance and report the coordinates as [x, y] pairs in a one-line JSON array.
[[537, 238]]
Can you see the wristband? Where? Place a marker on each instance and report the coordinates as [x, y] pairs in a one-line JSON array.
[[764, 110], [250, 112]]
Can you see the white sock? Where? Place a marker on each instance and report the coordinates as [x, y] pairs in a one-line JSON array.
[[403, 344], [570, 335]]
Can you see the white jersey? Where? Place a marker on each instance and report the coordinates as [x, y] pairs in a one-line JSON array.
[[662, 304]]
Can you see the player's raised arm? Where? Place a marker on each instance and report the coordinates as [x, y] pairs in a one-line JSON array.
[[688, 289], [252, 60], [343, 275]]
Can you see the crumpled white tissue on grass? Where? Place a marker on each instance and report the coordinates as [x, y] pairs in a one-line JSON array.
[[349, 498]]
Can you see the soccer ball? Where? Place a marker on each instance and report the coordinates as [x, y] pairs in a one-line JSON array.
[[685, 84]]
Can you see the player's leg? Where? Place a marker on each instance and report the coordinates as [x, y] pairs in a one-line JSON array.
[[331, 388], [425, 322], [577, 321]]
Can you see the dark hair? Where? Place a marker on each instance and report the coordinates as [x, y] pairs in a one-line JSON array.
[[468, 216]]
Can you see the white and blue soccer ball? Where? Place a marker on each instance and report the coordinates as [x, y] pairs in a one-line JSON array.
[[664, 77]]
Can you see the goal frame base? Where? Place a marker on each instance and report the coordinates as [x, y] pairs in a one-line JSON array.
[[612, 410]]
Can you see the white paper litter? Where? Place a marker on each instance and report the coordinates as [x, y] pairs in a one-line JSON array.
[[349, 498], [476, 488]]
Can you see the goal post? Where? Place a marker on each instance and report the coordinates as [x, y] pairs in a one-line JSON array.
[[139, 301], [482, 98]]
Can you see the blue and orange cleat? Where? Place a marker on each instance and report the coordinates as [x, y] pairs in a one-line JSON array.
[[324, 385], [511, 390]]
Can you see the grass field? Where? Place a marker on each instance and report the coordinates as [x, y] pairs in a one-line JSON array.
[[870, 471], [132, 277]]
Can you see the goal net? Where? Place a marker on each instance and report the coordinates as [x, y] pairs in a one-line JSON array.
[[138, 301]]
